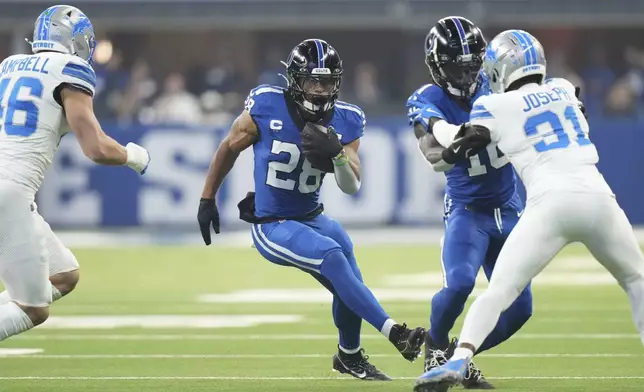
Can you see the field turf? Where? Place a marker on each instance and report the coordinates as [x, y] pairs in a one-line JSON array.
[[141, 320]]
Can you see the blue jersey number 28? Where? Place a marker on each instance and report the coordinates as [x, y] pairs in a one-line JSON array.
[[558, 129], [32, 88]]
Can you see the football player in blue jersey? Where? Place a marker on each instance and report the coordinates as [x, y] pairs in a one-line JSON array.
[[481, 201], [298, 135]]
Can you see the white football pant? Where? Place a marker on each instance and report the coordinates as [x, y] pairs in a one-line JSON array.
[[30, 252], [547, 225]]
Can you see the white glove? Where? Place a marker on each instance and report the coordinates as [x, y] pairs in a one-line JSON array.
[[138, 158]]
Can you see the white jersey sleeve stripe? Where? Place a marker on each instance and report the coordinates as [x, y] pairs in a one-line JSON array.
[[480, 114], [267, 90], [352, 108]]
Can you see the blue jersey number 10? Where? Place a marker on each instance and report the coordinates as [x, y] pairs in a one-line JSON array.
[[558, 129], [33, 89]]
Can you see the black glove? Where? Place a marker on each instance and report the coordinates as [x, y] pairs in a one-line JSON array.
[[320, 162], [581, 104], [208, 214], [319, 147], [469, 141]]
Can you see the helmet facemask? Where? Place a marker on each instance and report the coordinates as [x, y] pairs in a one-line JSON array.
[[459, 77], [315, 94]]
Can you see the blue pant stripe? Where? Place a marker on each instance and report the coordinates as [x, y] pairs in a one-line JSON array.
[[263, 244]]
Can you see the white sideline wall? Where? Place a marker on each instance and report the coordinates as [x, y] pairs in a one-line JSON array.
[[138, 237]]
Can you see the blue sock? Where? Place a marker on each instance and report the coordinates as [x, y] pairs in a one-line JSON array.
[[447, 305], [353, 293], [348, 323], [510, 321]]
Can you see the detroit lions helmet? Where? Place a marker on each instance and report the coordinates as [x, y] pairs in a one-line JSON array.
[[64, 29], [513, 55], [454, 50], [314, 73]]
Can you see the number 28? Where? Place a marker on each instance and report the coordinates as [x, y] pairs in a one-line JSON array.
[[308, 172]]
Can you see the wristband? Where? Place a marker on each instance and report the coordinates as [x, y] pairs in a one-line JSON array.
[[138, 157], [340, 159]]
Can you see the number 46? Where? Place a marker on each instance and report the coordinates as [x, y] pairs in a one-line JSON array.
[[14, 104]]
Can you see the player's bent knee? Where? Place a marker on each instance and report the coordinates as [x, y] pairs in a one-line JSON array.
[[335, 257], [65, 282], [461, 288], [334, 262], [37, 315]]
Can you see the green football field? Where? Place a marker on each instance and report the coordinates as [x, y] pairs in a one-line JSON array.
[[216, 319]]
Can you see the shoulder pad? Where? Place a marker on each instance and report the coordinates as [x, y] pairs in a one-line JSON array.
[[563, 83], [355, 121], [429, 93], [261, 97], [481, 109], [74, 71]]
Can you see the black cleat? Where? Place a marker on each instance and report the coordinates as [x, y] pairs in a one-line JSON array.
[[435, 355], [474, 377], [358, 366], [407, 341]]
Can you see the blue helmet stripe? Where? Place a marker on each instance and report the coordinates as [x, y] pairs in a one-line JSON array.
[[524, 46], [320, 49], [45, 23], [530, 41], [461, 34]]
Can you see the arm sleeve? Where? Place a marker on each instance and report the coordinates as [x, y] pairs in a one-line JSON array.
[[481, 115], [79, 74]]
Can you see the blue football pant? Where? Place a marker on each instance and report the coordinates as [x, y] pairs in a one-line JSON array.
[[474, 240], [322, 248]]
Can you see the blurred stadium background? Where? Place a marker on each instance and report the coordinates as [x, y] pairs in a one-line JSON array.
[[173, 74]]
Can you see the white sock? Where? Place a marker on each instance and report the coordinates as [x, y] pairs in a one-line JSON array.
[[386, 328], [635, 291], [349, 351], [13, 320], [462, 353], [55, 295]]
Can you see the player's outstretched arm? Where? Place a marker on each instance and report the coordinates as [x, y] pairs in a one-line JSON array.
[[431, 149], [96, 145], [243, 133]]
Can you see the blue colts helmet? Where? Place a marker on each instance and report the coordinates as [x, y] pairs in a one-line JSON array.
[[314, 73], [454, 50], [64, 29]]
